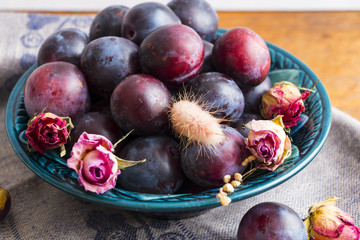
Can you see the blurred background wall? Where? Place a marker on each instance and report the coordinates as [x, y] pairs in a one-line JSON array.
[[219, 5]]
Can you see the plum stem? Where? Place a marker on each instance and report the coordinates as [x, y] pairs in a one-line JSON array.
[[249, 173], [310, 89]]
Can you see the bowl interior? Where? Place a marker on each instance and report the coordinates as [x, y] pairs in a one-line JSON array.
[[309, 140]]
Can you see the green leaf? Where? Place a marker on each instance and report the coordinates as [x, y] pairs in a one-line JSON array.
[[307, 225], [294, 152], [294, 76], [69, 124], [328, 201], [122, 163], [278, 120]]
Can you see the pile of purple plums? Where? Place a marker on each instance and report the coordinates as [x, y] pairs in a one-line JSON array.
[[126, 74]]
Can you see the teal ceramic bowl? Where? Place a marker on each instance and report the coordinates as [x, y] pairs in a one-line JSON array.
[[309, 139]]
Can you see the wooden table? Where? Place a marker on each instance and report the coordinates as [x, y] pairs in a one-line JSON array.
[[328, 42]]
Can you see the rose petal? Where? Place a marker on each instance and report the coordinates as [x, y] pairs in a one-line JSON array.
[[266, 125], [110, 183], [268, 142], [344, 216], [86, 142], [329, 222], [266, 148], [46, 131], [326, 221], [292, 113], [49, 134], [265, 129], [271, 102], [31, 134], [105, 162], [291, 93], [350, 232], [286, 100], [96, 167]]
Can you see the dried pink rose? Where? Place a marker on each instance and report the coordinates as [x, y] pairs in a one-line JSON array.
[[47, 131], [327, 222], [268, 143], [284, 99], [93, 160]]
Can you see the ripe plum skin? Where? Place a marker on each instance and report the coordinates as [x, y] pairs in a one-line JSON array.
[[108, 22], [140, 20], [271, 221], [206, 167], [173, 54], [243, 55], [106, 61], [218, 92], [197, 14], [140, 103], [64, 45], [253, 96], [244, 119], [160, 174], [208, 47], [57, 87], [208, 63], [96, 123], [102, 106]]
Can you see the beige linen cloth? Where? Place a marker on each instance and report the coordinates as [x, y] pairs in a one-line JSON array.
[[41, 211]]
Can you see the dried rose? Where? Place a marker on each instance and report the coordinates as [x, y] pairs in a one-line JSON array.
[[268, 143], [284, 99], [47, 131], [93, 160], [327, 222]]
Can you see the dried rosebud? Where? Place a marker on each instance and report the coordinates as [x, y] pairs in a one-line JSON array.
[[268, 143], [327, 222], [93, 160], [284, 99], [47, 131]]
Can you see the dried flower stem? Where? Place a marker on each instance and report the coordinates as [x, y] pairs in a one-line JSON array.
[[122, 139]]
